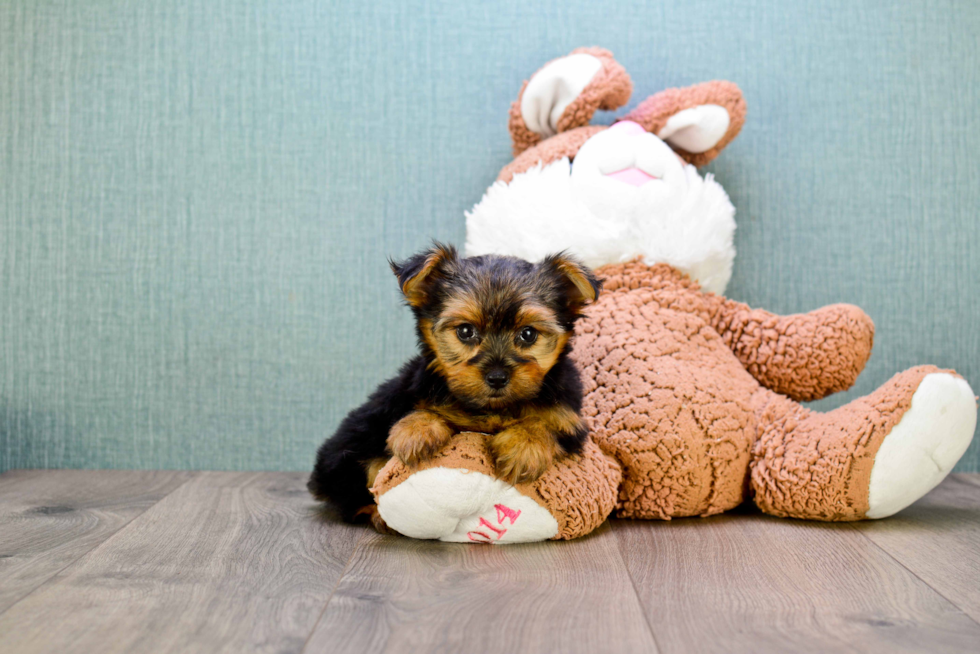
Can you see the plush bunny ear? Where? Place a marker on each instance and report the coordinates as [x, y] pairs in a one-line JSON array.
[[565, 94], [697, 121]]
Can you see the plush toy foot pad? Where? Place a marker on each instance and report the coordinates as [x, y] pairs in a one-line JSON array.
[[455, 496], [924, 446], [463, 506]]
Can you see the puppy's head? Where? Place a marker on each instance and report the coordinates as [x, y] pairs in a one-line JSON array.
[[494, 325]]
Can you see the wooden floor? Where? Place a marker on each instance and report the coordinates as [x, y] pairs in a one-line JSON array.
[[125, 561]]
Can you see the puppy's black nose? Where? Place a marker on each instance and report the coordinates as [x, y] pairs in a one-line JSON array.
[[497, 378]]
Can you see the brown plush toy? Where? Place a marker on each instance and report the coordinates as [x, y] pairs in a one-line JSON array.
[[692, 398]]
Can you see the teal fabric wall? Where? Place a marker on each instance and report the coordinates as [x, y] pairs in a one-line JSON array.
[[197, 196]]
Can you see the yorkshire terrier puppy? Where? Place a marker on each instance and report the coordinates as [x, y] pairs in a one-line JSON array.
[[493, 336]]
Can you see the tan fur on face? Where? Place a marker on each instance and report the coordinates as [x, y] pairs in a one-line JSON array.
[[459, 309], [543, 354], [453, 357], [442, 339], [527, 377]]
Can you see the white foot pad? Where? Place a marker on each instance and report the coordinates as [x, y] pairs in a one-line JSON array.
[[924, 446], [462, 506]]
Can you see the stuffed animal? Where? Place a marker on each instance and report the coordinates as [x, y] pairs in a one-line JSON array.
[[692, 398]]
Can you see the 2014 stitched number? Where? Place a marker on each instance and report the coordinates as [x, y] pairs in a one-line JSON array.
[[504, 513]]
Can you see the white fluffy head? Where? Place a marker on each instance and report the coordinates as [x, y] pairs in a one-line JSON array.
[[672, 215]]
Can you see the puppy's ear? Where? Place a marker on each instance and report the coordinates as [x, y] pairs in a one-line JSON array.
[[417, 274], [580, 285]]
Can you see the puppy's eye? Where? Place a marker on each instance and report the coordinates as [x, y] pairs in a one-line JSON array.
[[528, 335], [466, 333]]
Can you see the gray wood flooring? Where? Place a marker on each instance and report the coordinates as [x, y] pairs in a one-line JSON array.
[[137, 561]]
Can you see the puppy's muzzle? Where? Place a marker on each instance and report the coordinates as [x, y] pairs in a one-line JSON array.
[[497, 378]]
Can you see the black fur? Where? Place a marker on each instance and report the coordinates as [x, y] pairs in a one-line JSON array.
[[339, 476]]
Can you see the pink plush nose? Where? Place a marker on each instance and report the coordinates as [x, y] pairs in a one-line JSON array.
[[632, 176], [627, 127]]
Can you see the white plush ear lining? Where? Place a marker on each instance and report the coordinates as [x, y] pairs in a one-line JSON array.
[[697, 129], [553, 88]]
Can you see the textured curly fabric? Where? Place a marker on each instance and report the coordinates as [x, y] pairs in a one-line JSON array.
[[609, 89], [466, 450], [521, 136], [676, 388], [665, 396], [565, 144], [806, 356], [654, 112], [579, 491], [818, 465]]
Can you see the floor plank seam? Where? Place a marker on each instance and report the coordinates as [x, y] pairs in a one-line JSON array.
[[636, 592], [333, 591], [971, 478], [913, 573], [81, 556]]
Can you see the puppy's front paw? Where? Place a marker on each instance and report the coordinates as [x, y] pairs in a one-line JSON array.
[[418, 436], [522, 454]]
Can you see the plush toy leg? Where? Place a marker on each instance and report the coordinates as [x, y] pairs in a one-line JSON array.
[[924, 446], [868, 459]]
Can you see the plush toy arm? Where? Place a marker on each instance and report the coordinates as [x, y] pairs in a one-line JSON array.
[[565, 93], [806, 356]]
